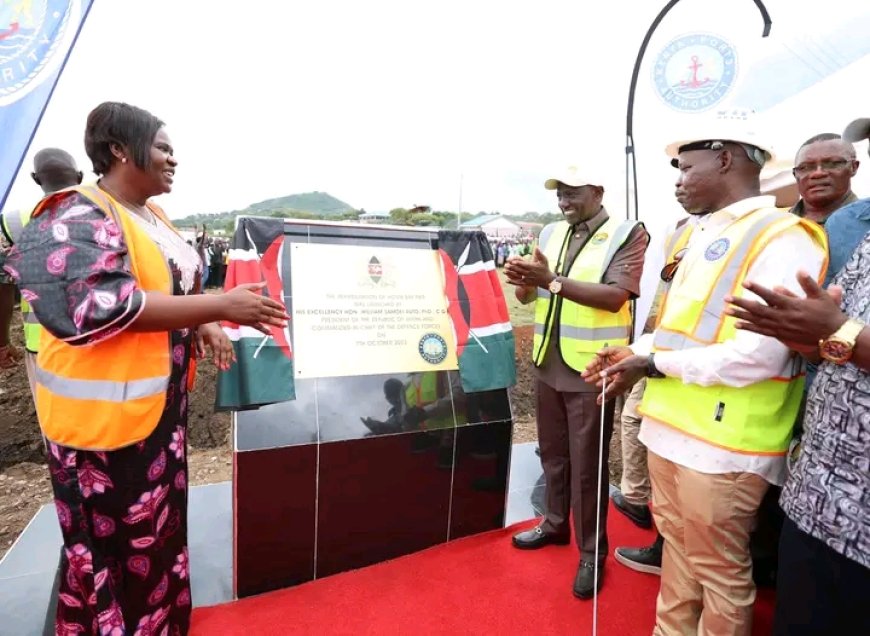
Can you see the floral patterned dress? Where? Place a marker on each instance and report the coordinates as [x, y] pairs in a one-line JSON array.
[[123, 513]]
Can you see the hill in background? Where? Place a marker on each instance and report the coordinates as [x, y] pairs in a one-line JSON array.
[[313, 202], [323, 206], [308, 205]]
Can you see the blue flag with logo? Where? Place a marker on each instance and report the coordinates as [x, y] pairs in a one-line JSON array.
[[36, 37]]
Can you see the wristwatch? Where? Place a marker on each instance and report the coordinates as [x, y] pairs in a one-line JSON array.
[[838, 347], [555, 286], [651, 370]]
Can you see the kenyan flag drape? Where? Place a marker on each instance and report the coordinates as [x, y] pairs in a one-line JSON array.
[[263, 373], [478, 311]]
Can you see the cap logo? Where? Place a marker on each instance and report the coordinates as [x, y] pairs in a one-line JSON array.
[[694, 72]]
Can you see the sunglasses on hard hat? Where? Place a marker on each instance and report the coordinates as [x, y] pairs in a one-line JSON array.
[[670, 268]]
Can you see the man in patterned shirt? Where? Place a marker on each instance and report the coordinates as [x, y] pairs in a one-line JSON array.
[[824, 551]]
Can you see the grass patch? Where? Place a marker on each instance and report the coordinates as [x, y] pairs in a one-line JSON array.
[[521, 315]]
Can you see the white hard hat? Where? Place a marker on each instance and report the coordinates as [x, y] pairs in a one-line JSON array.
[[574, 177], [733, 126]]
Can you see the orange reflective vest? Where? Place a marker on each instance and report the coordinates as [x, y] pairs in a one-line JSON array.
[[112, 393]]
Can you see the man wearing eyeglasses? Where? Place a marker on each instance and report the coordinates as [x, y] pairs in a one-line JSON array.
[[824, 167], [719, 405]]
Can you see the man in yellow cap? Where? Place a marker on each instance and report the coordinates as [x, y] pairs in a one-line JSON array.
[[582, 276], [720, 404]]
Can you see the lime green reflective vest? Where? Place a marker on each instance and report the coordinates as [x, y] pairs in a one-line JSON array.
[[756, 419], [421, 391], [583, 330], [13, 225]]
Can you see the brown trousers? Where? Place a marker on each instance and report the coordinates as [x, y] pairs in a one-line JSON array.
[[706, 587], [568, 434]]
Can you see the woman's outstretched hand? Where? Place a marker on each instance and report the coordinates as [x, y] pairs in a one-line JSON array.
[[244, 305]]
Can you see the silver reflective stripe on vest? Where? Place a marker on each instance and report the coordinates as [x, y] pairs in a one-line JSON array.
[[102, 390], [594, 333], [714, 308], [543, 294], [30, 318], [674, 341], [620, 236]]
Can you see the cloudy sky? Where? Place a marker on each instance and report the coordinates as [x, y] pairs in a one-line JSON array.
[[387, 103]]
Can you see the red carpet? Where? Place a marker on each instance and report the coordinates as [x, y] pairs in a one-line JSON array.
[[477, 585]]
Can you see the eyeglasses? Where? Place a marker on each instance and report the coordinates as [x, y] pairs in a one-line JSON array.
[[830, 165], [670, 269]]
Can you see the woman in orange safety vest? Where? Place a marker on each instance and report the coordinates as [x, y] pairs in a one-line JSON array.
[[118, 292]]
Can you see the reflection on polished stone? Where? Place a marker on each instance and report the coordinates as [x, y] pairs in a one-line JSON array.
[[283, 424], [274, 507], [480, 478], [483, 406], [382, 497], [364, 406]]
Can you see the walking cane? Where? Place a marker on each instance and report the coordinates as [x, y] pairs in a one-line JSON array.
[[598, 508]]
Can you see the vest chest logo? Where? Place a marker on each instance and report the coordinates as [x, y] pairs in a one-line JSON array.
[[717, 249], [599, 238], [433, 348]]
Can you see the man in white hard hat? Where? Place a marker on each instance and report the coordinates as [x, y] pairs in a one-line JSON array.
[[720, 404], [583, 275], [848, 225]]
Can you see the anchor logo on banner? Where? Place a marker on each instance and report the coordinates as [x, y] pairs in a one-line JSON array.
[[695, 72]]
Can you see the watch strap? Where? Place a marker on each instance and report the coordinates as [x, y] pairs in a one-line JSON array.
[[651, 370]]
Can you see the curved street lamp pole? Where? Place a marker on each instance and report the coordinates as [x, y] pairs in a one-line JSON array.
[[630, 157]]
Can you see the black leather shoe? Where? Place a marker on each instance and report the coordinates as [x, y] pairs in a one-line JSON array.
[[537, 538], [584, 582], [648, 559], [638, 515]]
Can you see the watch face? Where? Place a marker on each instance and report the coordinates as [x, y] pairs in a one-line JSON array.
[[836, 351], [555, 287]]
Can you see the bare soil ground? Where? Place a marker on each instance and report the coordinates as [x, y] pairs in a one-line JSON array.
[[24, 482]]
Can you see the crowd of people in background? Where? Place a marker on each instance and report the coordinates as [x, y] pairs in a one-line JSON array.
[[504, 248], [215, 255], [748, 476]]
